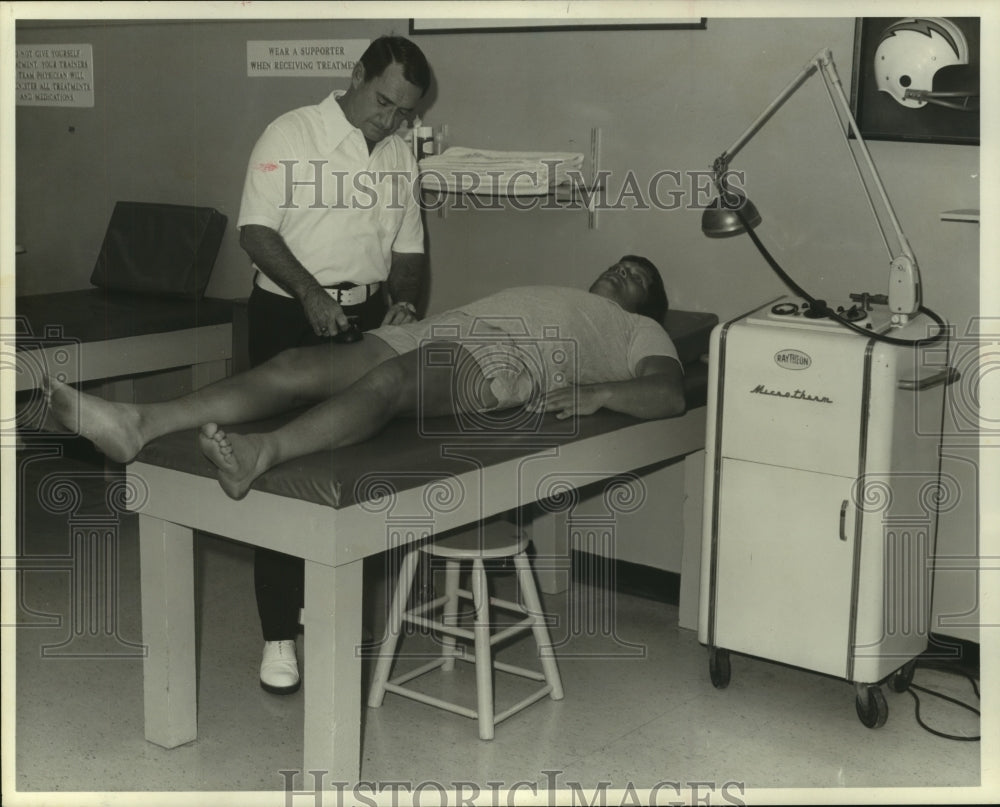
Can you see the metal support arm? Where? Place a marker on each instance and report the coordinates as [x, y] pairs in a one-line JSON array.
[[904, 292]]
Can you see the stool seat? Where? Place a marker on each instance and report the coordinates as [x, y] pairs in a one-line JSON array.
[[488, 541], [496, 540]]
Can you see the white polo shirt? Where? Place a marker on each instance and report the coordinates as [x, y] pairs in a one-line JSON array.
[[341, 211]]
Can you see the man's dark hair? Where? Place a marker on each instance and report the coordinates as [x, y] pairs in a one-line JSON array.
[[655, 305], [388, 49]]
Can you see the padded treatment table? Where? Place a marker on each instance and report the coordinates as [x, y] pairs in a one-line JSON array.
[[94, 334], [334, 508]]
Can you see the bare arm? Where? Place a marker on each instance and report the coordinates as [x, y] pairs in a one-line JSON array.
[[406, 280], [656, 392], [269, 252]]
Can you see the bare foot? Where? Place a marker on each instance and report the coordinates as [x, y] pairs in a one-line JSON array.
[[238, 457], [112, 427]]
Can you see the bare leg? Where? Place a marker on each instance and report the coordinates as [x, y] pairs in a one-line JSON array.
[[405, 385], [293, 378]]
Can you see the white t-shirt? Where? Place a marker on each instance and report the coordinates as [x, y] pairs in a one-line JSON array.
[[533, 339], [341, 211]]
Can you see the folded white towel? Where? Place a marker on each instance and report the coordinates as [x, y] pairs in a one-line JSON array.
[[484, 158], [511, 173]]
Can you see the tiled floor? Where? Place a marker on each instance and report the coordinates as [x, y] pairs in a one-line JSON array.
[[639, 707]]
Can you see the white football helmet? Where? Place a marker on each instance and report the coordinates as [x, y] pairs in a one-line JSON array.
[[909, 54]]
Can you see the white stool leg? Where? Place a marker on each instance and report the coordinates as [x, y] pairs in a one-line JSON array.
[[530, 596], [393, 628], [484, 655], [449, 615]]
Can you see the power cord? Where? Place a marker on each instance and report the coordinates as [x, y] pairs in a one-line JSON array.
[[923, 725], [942, 330]]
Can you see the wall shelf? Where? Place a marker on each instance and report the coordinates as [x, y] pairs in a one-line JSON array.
[[567, 195], [966, 214]]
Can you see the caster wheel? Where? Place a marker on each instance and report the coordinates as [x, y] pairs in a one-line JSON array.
[[903, 677], [718, 667], [873, 711]]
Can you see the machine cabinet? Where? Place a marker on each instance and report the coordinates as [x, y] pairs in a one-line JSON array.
[[822, 467], [785, 593]]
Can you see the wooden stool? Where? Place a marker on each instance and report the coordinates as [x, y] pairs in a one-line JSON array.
[[493, 541]]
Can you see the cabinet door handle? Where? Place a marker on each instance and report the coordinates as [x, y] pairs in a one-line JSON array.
[[843, 520]]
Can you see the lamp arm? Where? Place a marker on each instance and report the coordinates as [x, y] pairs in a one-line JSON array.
[[904, 275], [726, 157]]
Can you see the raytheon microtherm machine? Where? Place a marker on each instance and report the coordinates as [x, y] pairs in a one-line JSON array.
[[822, 477]]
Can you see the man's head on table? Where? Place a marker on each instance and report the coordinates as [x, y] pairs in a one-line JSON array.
[[635, 284], [388, 81]]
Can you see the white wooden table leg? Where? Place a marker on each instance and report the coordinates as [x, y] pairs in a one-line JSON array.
[[547, 533], [694, 497], [332, 673], [169, 680]]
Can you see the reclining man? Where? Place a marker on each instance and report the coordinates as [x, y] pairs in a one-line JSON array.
[[625, 362]]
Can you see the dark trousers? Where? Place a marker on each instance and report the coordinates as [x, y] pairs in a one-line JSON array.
[[276, 323]]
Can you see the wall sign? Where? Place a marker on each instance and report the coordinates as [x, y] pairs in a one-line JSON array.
[[55, 75], [304, 57]]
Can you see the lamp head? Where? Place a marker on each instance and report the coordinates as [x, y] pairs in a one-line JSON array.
[[731, 213]]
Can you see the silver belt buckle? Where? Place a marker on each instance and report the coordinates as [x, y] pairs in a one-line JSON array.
[[352, 296]]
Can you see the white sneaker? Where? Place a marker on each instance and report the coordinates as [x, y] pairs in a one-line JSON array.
[[279, 668]]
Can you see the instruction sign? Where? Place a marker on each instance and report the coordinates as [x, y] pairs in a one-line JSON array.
[[55, 75], [304, 57]]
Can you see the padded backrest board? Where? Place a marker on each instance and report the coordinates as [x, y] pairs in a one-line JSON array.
[[152, 248], [690, 332]]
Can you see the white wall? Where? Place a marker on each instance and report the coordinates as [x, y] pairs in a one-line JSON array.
[[673, 100], [175, 117]]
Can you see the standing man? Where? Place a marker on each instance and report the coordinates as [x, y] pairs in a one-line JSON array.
[[329, 216]]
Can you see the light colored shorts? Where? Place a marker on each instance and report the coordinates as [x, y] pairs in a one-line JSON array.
[[500, 359]]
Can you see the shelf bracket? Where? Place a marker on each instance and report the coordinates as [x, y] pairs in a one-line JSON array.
[[595, 174]]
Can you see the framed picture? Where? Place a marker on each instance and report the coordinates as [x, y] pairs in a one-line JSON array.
[[507, 25], [897, 61]]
